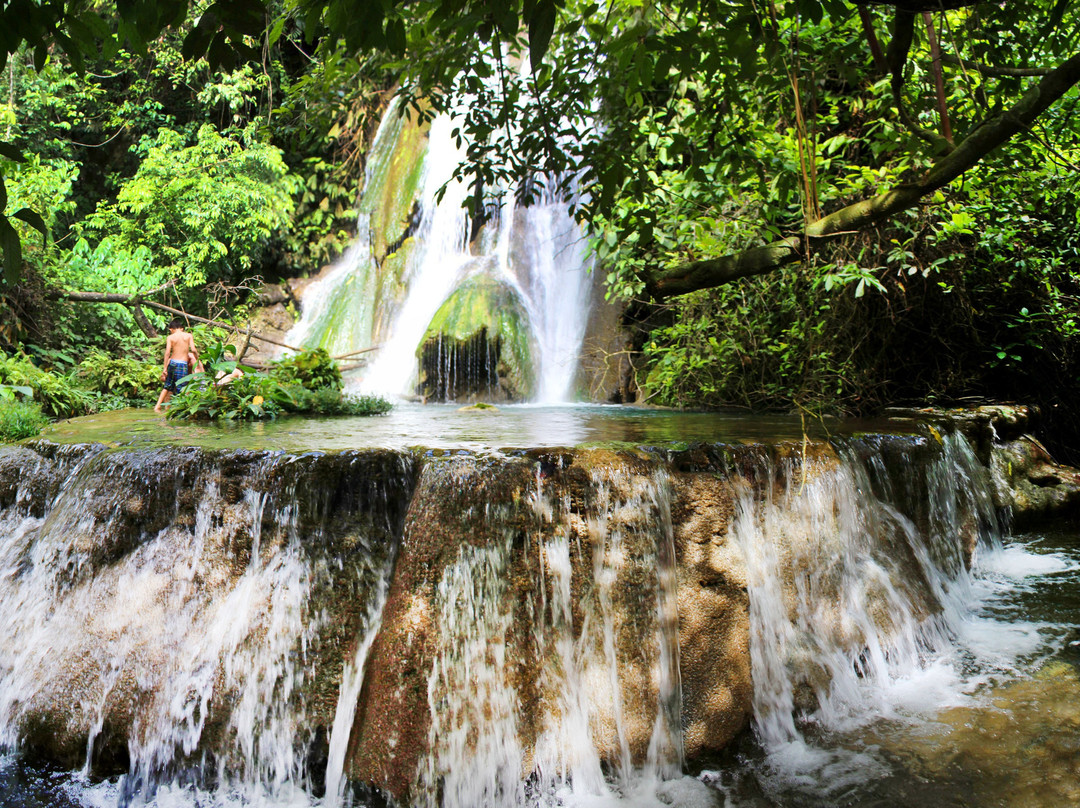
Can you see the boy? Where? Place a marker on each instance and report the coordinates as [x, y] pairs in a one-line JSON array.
[[179, 350]]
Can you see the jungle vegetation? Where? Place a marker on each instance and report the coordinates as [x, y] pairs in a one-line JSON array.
[[804, 203]]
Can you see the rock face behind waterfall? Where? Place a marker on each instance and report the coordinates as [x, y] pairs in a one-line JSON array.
[[509, 622]]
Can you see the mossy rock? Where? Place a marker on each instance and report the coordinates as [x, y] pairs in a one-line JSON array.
[[479, 345]]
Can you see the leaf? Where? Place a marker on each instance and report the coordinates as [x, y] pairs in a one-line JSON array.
[[541, 26], [275, 32], [12, 248], [33, 219]]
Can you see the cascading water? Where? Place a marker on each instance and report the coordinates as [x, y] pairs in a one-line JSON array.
[[847, 595], [552, 627], [535, 256]]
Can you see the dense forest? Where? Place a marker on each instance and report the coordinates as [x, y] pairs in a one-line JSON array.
[[822, 206]]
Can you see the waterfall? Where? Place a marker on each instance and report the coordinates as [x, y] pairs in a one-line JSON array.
[[190, 606], [853, 601], [600, 582], [511, 629], [538, 254]]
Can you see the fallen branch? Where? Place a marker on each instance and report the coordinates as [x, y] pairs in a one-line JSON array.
[[137, 300], [357, 353]]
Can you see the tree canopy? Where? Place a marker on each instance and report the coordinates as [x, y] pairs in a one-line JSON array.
[[900, 177], [621, 100]]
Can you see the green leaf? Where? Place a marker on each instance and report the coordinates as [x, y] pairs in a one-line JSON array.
[[275, 32], [541, 26], [12, 248], [34, 220]]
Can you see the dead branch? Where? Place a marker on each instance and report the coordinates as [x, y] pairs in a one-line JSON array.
[[139, 299]]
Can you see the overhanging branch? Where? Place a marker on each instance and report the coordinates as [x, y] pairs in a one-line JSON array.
[[986, 137], [136, 301], [991, 70]]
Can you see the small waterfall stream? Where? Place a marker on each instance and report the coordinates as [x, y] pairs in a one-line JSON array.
[[549, 627]]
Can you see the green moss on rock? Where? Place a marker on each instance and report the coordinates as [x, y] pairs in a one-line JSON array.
[[479, 345]]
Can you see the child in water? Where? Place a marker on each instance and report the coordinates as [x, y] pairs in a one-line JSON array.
[[180, 359]]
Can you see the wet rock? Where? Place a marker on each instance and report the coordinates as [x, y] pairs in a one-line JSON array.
[[714, 626], [535, 609], [1032, 484]]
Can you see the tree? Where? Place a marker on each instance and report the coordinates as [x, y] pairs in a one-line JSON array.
[[574, 119]]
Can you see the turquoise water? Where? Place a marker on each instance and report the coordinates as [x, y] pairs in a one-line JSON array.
[[440, 426]]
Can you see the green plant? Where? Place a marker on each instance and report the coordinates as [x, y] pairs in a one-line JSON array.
[[207, 211], [58, 394], [251, 397], [328, 401], [312, 369], [118, 376], [19, 419]]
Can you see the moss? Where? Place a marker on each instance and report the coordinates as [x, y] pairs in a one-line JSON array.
[[484, 314], [392, 185]]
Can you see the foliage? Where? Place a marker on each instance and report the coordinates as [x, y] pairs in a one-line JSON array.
[[772, 343], [307, 383], [19, 419], [253, 396], [206, 211], [979, 300], [58, 394], [311, 369], [329, 401], [257, 396], [125, 377]]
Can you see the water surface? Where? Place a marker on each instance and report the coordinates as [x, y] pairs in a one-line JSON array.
[[445, 426]]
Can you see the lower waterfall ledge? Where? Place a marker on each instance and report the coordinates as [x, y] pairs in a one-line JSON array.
[[444, 626]]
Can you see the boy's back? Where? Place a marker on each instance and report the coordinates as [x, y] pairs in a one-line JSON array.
[[178, 346]]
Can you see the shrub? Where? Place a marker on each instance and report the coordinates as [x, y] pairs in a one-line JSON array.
[[20, 419], [328, 401], [58, 394], [312, 369], [119, 376], [251, 397], [257, 396]]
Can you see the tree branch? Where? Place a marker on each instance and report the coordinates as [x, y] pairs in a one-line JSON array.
[[899, 46], [135, 301], [986, 137], [990, 70], [872, 40], [939, 78]]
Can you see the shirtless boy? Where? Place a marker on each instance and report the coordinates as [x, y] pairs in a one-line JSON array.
[[179, 350]]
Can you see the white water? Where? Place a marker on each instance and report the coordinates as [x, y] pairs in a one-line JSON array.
[[477, 755], [538, 250], [876, 632], [219, 655], [855, 632]]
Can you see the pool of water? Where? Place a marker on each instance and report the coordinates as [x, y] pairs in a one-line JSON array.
[[993, 724], [441, 426]]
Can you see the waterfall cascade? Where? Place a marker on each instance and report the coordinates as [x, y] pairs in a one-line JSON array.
[[544, 627], [497, 312]]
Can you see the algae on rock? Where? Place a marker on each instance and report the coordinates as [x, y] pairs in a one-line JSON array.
[[478, 345]]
